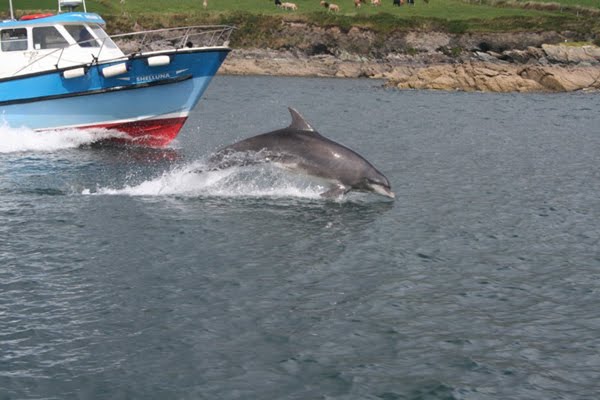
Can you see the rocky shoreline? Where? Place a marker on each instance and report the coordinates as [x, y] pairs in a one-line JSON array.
[[504, 62], [551, 68]]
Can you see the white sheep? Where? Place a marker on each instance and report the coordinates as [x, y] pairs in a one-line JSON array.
[[289, 6]]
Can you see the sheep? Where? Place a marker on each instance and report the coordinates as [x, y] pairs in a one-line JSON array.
[[376, 3], [205, 3], [357, 3], [289, 6], [330, 7]]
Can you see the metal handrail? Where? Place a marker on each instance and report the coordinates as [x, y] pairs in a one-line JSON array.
[[186, 38]]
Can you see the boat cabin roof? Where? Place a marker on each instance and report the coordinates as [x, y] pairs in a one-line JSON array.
[[66, 18]]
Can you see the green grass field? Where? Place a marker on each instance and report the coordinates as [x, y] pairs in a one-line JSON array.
[[450, 15], [573, 3], [452, 9]]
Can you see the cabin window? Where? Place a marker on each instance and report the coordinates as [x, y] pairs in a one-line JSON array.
[[48, 37], [13, 39], [82, 36]]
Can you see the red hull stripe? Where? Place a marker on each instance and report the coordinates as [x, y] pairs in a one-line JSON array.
[[155, 132]]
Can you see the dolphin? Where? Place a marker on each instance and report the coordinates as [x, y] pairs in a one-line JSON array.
[[301, 149]]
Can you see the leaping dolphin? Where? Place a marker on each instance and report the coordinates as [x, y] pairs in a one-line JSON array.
[[300, 148]]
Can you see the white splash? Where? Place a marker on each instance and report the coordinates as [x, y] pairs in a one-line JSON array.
[[258, 181], [14, 140]]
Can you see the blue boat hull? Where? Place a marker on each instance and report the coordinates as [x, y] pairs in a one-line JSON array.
[[149, 104]]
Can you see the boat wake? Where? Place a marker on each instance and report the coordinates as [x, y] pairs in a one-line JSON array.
[[255, 181], [15, 140]]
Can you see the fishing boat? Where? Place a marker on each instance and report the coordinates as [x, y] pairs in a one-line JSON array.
[[62, 71]]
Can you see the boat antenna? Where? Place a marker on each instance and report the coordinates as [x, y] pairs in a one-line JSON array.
[[12, 15]]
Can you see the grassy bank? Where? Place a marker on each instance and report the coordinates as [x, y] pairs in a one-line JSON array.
[[257, 18]]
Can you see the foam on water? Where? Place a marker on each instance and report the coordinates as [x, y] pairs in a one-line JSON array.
[[15, 140], [256, 181]]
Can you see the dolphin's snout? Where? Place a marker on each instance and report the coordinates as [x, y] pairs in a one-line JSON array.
[[384, 190], [389, 193]]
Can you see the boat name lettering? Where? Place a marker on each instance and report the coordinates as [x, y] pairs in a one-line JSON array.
[[147, 78]]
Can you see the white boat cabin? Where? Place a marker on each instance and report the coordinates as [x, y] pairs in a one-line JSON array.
[[43, 42]]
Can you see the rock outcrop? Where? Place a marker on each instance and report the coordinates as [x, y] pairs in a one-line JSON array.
[[489, 77], [571, 54], [551, 68], [498, 62]]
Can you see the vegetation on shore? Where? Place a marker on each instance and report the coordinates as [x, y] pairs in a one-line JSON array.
[[258, 19]]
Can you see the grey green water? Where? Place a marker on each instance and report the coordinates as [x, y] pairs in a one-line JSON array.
[[125, 276]]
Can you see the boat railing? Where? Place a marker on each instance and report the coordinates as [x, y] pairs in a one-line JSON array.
[[173, 38], [134, 43]]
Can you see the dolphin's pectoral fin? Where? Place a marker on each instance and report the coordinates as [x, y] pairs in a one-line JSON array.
[[335, 191]]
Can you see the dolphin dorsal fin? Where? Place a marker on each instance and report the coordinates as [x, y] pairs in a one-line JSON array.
[[298, 122]]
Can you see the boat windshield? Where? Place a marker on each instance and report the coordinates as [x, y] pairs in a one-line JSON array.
[[103, 37], [82, 35]]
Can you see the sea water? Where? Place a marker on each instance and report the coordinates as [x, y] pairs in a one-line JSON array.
[[126, 274]]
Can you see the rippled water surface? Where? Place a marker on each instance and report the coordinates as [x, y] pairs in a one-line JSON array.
[[125, 275]]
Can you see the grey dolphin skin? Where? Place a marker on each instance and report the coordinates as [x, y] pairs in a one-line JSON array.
[[301, 149]]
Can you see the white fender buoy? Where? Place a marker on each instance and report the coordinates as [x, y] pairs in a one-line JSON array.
[[159, 61], [114, 70], [74, 73]]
